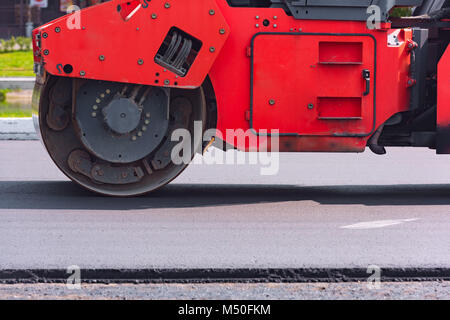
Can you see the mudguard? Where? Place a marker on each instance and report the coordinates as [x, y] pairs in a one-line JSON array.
[[134, 42]]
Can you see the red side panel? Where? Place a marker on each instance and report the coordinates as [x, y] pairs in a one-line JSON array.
[[312, 84], [283, 73], [443, 107]]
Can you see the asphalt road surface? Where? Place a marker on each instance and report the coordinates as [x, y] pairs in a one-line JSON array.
[[319, 211]]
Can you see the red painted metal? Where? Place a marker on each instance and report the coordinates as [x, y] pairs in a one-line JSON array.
[[124, 42], [232, 83], [281, 63], [443, 104], [444, 89], [443, 115], [283, 94]]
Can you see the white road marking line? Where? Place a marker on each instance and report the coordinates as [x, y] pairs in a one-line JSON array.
[[377, 224]]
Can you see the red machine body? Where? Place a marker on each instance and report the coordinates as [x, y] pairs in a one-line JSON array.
[[117, 79], [305, 67], [443, 104]]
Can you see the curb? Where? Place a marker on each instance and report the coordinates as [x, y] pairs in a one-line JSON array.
[[25, 83], [17, 129]]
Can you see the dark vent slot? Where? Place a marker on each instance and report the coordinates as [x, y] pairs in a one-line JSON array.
[[178, 52]]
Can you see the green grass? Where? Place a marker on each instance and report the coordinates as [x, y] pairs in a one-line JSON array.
[[14, 110], [16, 64], [3, 93], [15, 113]]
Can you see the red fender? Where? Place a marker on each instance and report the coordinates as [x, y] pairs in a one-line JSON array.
[[121, 46]]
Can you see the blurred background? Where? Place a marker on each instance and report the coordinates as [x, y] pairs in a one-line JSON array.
[[18, 18]]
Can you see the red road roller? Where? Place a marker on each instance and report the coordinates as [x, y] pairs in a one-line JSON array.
[[116, 80]]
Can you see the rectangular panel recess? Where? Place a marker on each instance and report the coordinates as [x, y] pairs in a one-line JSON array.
[[340, 52], [339, 108], [308, 84]]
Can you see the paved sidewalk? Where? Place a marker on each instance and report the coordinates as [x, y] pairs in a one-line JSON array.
[[17, 129], [24, 83]]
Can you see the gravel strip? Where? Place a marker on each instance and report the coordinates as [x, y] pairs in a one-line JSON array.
[[436, 290]]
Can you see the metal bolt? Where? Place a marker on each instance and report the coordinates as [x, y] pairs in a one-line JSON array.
[[154, 16], [45, 35], [108, 91], [137, 29], [257, 17], [46, 52], [275, 17], [95, 107], [166, 82], [147, 115], [222, 31], [310, 106], [94, 114], [140, 133], [134, 138], [140, 62], [102, 58], [272, 102], [98, 100], [275, 26], [212, 12], [57, 29], [147, 121], [102, 95], [257, 25], [82, 73], [212, 49], [167, 5], [144, 128]]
